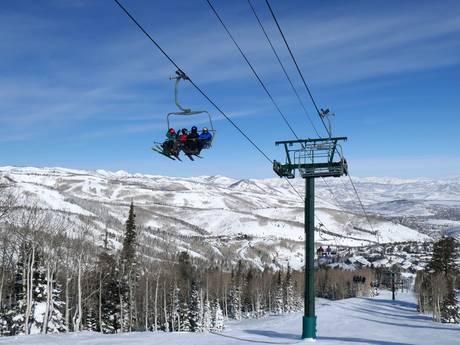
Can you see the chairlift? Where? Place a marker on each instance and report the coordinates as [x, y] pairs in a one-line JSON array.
[[172, 148]]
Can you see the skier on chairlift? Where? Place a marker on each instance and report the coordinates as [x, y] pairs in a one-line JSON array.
[[191, 147], [170, 146], [183, 136], [204, 138]]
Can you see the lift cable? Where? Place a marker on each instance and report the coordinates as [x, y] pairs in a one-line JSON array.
[[282, 66], [203, 93], [192, 82], [297, 67], [252, 68], [294, 90], [314, 103], [260, 79], [263, 84]]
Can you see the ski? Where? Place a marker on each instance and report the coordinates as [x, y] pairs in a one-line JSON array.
[[164, 154]]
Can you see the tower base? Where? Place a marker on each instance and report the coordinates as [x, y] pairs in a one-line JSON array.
[[309, 327]]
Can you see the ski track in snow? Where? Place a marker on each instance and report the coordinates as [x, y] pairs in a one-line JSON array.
[[354, 321]]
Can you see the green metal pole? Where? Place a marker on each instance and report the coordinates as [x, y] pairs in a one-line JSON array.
[[309, 319]]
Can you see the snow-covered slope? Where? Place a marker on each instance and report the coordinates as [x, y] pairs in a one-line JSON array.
[[257, 220], [352, 321]]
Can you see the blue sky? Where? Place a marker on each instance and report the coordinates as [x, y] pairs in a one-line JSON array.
[[81, 87]]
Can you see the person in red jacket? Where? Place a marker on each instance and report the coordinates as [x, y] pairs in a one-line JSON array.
[[183, 136]]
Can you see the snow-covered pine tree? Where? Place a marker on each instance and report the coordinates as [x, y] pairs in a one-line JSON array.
[[289, 304], [16, 314], [298, 300], [38, 295], [91, 320], [258, 305], [184, 317], [46, 293], [278, 300], [5, 323], [195, 314], [450, 311], [207, 315], [56, 323], [217, 322]]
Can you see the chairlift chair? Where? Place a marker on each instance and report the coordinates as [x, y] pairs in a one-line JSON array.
[[180, 75], [187, 111]]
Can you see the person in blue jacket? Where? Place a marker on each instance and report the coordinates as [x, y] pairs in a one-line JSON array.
[[204, 139]]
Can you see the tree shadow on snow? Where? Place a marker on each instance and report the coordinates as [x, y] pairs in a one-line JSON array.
[[398, 316], [259, 341], [404, 304], [272, 334], [349, 340], [447, 328]]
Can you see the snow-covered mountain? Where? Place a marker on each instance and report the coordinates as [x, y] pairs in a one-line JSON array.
[[257, 220]]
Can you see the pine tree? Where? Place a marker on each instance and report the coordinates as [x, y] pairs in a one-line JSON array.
[[5, 322], [128, 252], [44, 303], [450, 311], [234, 303], [129, 273], [185, 268], [195, 314], [248, 294], [259, 308], [278, 303], [109, 294], [217, 323], [91, 320], [443, 266], [207, 316], [444, 255], [289, 304], [184, 317], [55, 317], [39, 296], [298, 300], [16, 314]]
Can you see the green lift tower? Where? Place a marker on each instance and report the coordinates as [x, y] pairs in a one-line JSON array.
[[312, 158]]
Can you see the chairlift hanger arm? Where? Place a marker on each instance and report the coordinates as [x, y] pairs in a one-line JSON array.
[[333, 149], [315, 140]]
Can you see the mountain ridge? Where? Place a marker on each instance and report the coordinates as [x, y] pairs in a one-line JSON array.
[[267, 211]]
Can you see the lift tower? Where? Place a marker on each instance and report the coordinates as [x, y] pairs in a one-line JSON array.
[[312, 158]]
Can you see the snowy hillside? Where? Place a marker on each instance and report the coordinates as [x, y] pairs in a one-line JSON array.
[[256, 220], [353, 321]]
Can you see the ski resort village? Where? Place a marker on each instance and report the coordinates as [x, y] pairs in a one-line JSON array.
[[229, 172]]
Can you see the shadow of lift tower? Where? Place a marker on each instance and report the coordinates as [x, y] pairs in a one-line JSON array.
[[312, 158]]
